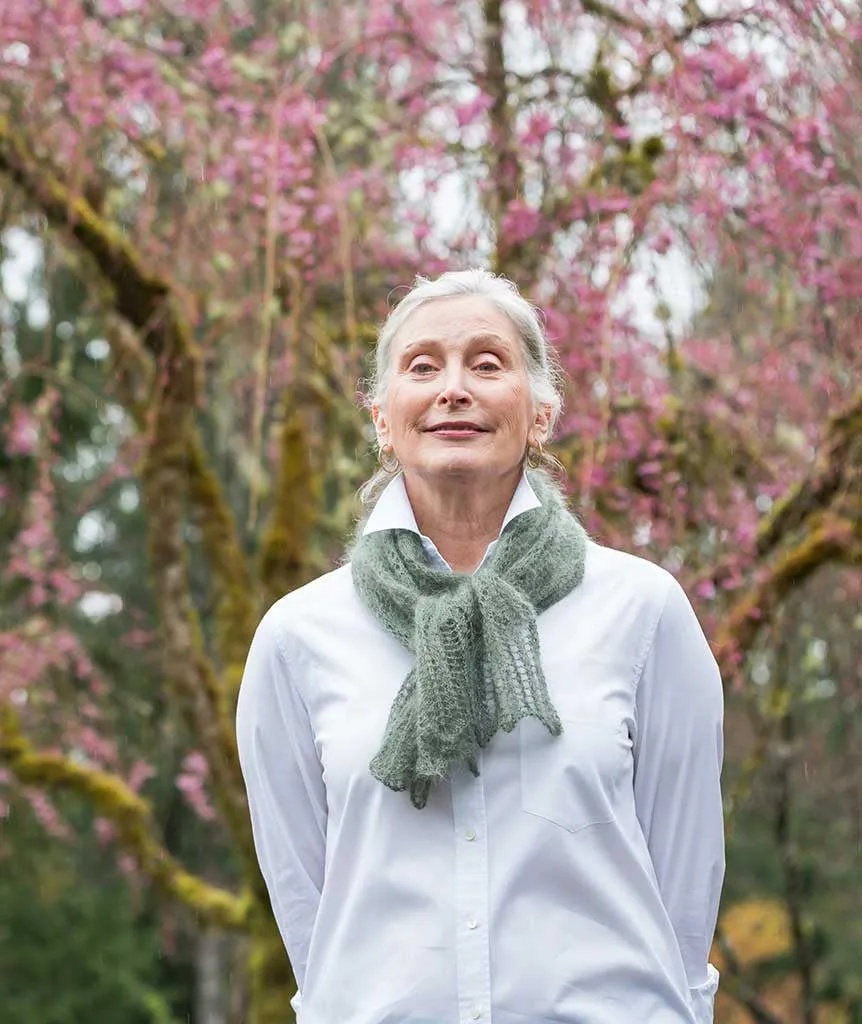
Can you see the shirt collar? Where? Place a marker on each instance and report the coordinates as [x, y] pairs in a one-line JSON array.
[[393, 511]]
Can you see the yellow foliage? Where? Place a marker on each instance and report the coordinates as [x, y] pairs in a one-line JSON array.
[[781, 998], [757, 930]]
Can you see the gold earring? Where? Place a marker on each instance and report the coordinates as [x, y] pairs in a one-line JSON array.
[[388, 459], [535, 453]]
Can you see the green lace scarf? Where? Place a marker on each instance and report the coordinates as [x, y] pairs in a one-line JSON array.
[[478, 667]]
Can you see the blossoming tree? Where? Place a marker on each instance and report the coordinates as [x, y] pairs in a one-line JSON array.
[[240, 185]]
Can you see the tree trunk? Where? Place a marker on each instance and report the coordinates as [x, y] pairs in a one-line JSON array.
[[211, 1004], [271, 983]]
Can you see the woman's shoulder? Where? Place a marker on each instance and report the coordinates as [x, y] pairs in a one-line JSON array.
[[627, 592], [309, 615], [328, 593], [625, 572]]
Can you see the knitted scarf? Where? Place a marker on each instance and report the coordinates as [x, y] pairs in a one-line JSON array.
[[478, 667]]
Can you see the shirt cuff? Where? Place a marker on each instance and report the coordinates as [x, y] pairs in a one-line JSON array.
[[703, 997], [296, 1003]]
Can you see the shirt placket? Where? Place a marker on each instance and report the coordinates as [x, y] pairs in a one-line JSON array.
[[471, 899]]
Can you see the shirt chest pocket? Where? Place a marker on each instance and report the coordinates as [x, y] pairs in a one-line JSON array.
[[573, 780]]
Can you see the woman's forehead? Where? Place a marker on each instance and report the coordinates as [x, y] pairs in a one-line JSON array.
[[457, 319]]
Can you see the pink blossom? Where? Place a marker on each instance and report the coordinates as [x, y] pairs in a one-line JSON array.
[[139, 774], [191, 783], [105, 830], [47, 814], [23, 432], [473, 110]]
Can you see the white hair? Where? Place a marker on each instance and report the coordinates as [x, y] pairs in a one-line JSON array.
[[541, 363]]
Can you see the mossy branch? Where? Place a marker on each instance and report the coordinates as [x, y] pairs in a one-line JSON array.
[[819, 520], [113, 799], [139, 294], [234, 590], [146, 301], [829, 537], [285, 562], [825, 479], [188, 671]]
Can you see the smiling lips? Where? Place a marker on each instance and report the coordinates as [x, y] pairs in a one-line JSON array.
[[457, 429]]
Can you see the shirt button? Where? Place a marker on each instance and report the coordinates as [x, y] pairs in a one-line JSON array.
[[472, 924], [470, 835], [475, 1015]]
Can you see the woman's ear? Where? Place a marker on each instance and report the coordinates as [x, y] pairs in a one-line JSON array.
[[381, 426], [542, 423]]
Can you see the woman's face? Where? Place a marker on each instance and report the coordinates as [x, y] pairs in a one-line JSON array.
[[459, 399]]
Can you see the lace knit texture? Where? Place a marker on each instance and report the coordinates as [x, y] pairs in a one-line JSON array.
[[478, 667]]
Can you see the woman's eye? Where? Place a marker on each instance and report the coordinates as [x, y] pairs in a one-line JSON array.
[[422, 368], [487, 365]]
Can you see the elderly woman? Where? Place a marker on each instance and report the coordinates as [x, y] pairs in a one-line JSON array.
[[483, 758]]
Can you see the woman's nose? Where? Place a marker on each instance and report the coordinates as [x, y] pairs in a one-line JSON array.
[[454, 389]]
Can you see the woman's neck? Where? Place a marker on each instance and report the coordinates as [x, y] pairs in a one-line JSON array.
[[461, 515]]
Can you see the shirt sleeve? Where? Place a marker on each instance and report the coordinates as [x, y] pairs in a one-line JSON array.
[[678, 757], [286, 795]]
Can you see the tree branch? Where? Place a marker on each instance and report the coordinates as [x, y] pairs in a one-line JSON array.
[[820, 520], [794, 883], [146, 301], [284, 552], [113, 799], [825, 479], [505, 168], [609, 14], [188, 671], [830, 537], [235, 609], [739, 987], [231, 578], [140, 295]]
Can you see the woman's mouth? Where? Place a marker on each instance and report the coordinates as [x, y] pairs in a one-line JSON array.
[[456, 430]]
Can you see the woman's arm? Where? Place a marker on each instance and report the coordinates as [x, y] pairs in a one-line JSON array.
[[678, 757], [286, 795]]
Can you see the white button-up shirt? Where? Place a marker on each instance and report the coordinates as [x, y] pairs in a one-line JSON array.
[[576, 880]]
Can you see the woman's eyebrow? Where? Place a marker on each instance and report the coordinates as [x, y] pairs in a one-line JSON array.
[[419, 345], [491, 337], [472, 341]]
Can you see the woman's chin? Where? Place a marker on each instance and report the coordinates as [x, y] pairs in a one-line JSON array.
[[456, 464]]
